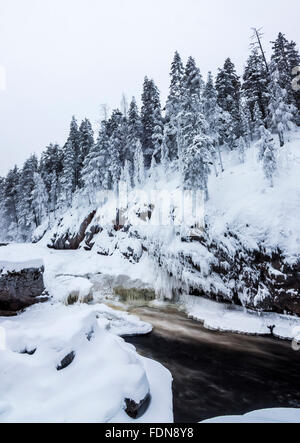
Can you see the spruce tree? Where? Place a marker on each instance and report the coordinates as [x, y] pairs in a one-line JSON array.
[[229, 93], [73, 144], [40, 199], [212, 113], [139, 165], [118, 132], [255, 85], [294, 62], [134, 131], [11, 202], [197, 151], [267, 154], [258, 118], [152, 122], [86, 143], [96, 173], [281, 113], [51, 162], [173, 108], [26, 216], [284, 59], [68, 179]]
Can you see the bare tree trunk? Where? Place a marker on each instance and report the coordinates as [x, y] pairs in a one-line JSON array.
[[258, 35]]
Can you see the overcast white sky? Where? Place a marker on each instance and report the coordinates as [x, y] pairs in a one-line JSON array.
[[65, 57]]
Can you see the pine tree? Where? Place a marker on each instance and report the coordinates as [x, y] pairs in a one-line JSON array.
[[11, 202], [255, 85], [86, 143], [197, 146], [26, 216], [267, 154], [212, 113], [152, 122], [284, 58], [197, 160], [175, 95], [282, 114], [118, 133], [139, 165], [51, 162], [294, 62], [68, 180], [54, 192], [3, 221], [246, 123], [73, 144], [158, 135], [164, 156], [258, 118], [229, 92], [192, 85], [96, 173], [173, 108], [134, 131], [126, 175], [40, 199]]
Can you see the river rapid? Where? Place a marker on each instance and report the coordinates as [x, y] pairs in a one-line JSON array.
[[215, 373]]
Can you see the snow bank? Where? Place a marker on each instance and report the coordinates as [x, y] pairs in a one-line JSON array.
[[105, 369], [262, 416], [231, 318], [241, 199], [6, 266], [93, 387]]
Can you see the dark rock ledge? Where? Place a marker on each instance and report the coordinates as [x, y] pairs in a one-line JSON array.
[[21, 285]]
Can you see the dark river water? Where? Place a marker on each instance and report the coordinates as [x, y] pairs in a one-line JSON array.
[[218, 373]]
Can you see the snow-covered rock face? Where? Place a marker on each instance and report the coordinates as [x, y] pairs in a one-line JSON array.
[[247, 254], [21, 285], [73, 229]]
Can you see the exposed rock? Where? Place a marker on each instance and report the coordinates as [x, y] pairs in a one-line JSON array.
[[71, 240], [135, 410], [132, 294], [26, 352], [66, 361], [89, 236], [21, 285], [255, 279], [223, 270]]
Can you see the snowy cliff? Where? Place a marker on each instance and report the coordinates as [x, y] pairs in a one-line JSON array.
[[247, 252]]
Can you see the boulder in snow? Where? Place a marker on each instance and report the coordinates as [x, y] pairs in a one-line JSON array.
[[21, 285]]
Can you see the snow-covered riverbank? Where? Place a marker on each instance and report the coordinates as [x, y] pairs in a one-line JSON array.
[[67, 363], [231, 318], [67, 272], [281, 415]]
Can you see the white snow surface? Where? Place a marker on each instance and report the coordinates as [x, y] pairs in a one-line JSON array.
[[7, 266], [270, 416], [105, 369], [231, 318], [242, 199]]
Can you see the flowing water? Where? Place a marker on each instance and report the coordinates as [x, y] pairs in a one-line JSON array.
[[214, 373], [218, 373]]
